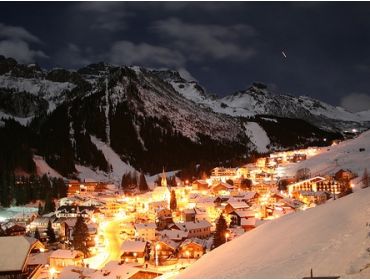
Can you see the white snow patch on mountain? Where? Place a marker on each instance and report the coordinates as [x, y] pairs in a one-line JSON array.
[[87, 173], [42, 167], [22, 121], [118, 166], [332, 239], [258, 136], [50, 91], [352, 154]]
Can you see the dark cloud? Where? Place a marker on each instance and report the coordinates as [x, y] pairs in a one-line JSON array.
[[15, 42], [110, 16], [224, 45], [202, 41], [356, 102], [128, 53]]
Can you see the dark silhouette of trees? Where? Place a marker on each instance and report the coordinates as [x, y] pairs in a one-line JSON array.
[[80, 236], [221, 229], [173, 201]]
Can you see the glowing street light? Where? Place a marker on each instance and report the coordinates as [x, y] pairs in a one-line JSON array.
[[187, 254], [52, 272], [227, 235]]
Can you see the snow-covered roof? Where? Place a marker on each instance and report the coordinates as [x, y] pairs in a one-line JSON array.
[[115, 270], [133, 246], [245, 213], [65, 254], [174, 234], [193, 225], [76, 272], [248, 222], [14, 251], [145, 226], [238, 204], [226, 185]]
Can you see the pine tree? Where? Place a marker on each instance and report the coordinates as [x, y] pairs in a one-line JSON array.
[[80, 235], [49, 204], [173, 201], [221, 228], [365, 179], [40, 210], [143, 185], [37, 234], [133, 179], [50, 233]]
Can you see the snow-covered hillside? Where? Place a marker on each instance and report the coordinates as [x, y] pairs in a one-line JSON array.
[[257, 136], [332, 239], [42, 168], [118, 166], [52, 92], [352, 154]]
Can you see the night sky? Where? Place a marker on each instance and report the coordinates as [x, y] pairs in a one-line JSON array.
[[225, 46]]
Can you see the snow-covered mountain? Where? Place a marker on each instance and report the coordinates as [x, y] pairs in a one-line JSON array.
[[259, 100], [148, 118]]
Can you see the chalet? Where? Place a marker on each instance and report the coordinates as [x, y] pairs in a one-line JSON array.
[[146, 231], [164, 249], [188, 215], [164, 218], [345, 175], [191, 249], [201, 214], [62, 258], [250, 197], [248, 224], [232, 206], [13, 229], [237, 216], [220, 200], [14, 255], [309, 197], [200, 185], [221, 187], [134, 251], [174, 234], [201, 229]]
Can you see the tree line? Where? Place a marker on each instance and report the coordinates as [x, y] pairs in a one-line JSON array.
[[20, 190]]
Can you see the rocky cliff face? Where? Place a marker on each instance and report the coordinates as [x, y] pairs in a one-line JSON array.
[[148, 118]]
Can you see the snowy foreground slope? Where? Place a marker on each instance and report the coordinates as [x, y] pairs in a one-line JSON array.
[[352, 154], [332, 239]]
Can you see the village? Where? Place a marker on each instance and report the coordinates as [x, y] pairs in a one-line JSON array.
[[160, 232]]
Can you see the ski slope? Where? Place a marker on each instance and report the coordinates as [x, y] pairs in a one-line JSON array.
[[332, 239], [352, 154]]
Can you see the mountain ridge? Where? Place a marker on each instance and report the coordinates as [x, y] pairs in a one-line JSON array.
[[146, 116]]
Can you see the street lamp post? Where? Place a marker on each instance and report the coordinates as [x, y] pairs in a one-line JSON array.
[[157, 248]]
